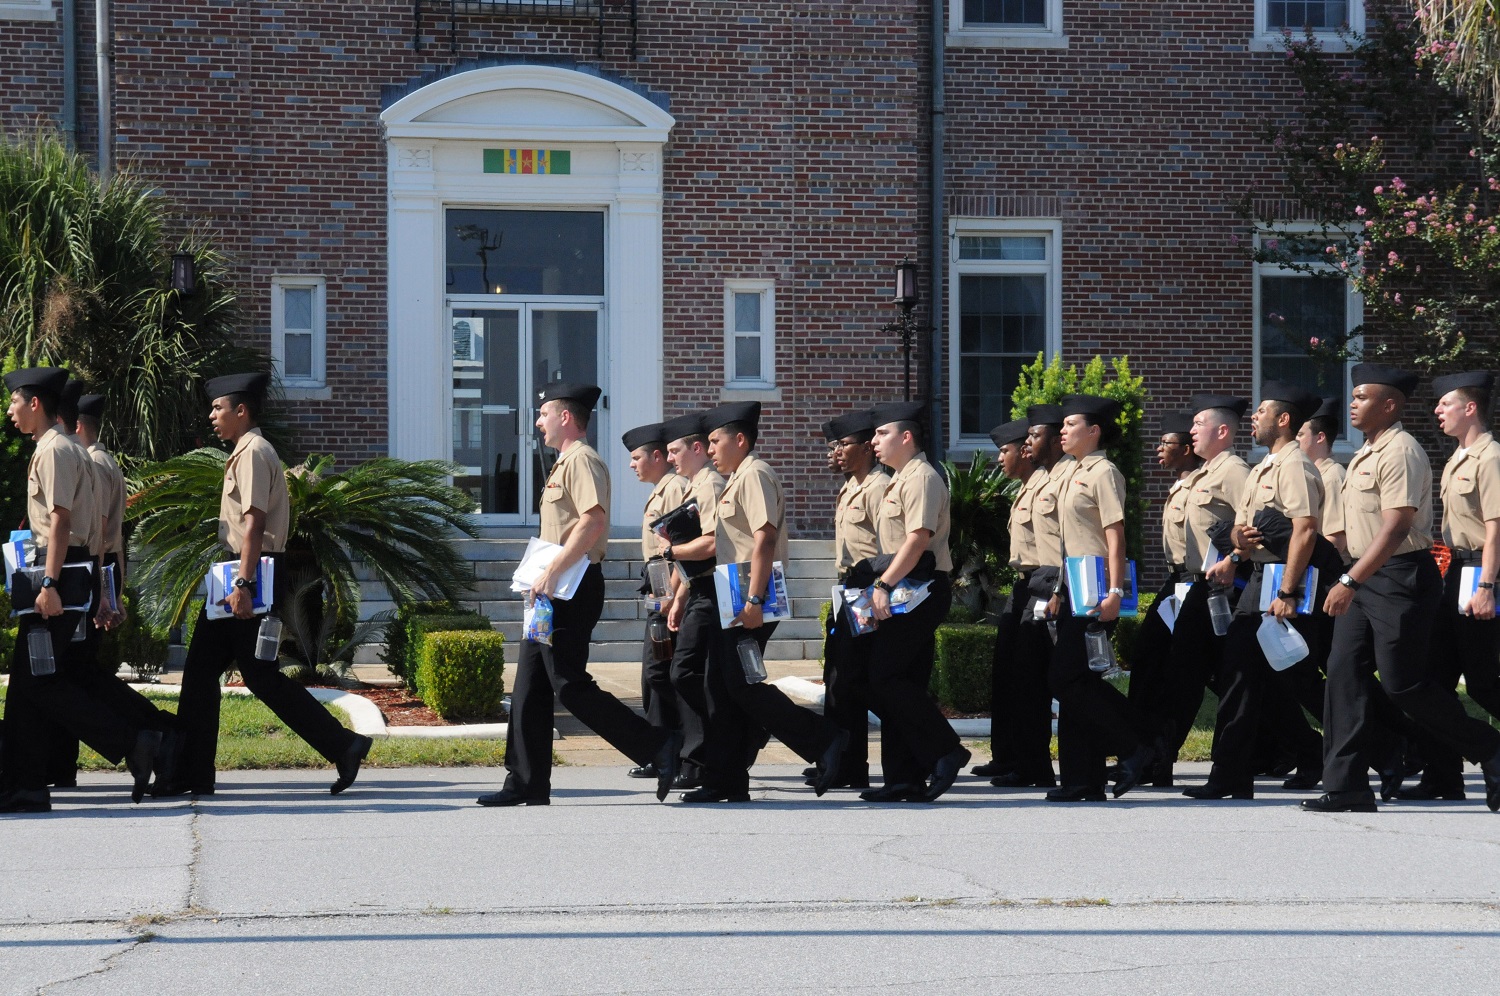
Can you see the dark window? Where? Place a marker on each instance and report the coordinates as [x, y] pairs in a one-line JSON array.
[[1301, 15], [525, 252], [1002, 326], [1293, 312], [1024, 12]]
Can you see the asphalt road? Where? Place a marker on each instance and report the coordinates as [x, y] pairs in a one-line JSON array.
[[403, 885]]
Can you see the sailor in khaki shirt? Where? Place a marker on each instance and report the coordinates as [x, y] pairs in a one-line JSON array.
[[750, 527], [920, 756], [648, 459], [1286, 481], [1214, 491], [1466, 636], [858, 503], [575, 516], [1385, 607], [1316, 439]]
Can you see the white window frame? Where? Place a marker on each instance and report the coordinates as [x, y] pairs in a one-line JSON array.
[[1350, 439], [982, 35], [1267, 39], [1051, 267], [27, 10], [301, 387], [767, 291]]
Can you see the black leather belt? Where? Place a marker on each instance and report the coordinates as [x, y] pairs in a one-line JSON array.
[[1465, 556]]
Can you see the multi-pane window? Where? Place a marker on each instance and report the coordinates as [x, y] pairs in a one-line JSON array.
[[1017, 12], [297, 330], [749, 333], [1005, 314], [1303, 15]]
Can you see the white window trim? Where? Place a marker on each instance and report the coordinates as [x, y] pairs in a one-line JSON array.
[[962, 35], [1354, 316], [1267, 40], [1051, 229], [27, 10], [767, 290], [280, 283]]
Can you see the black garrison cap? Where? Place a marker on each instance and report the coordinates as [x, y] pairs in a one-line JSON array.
[[1044, 415], [1177, 423], [683, 425], [1303, 401], [91, 405], [1103, 410], [644, 435], [1203, 402], [1479, 380], [1404, 381], [585, 394], [1010, 432], [254, 384], [848, 424], [898, 411], [747, 412], [43, 380]]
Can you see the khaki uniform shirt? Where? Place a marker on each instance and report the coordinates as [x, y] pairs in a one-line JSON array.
[[1471, 493], [1331, 520], [1045, 525], [109, 495], [1174, 522], [854, 535], [254, 478], [579, 482], [1024, 553], [1093, 497], [708, 487], [752, 499], [60, 476], [916, 498], [1213, 495], [95, 541], [1393, 473], [669, 492], [1286, 481]]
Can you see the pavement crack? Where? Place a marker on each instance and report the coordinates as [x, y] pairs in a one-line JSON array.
[[195, 860], [106, 966], [881, 846]]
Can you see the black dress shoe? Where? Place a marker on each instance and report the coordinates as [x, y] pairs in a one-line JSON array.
[[26, 801], [1217, 790], [899, 792], [1491, 771], [141, 760], [1015, 779], [1304, 780], [1431, 793], [1076, 793], [991, 769], [1341, 802], [841, 783], [811, 771], [169, 790], [506, 797], [642, 771], [1393, 771], [828, 764], [348, 765], [1135, 768], [706, 794], [668, 764], [946, 772], [687, 781]]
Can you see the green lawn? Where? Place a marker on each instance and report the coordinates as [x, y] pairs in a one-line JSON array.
[[251, 737]]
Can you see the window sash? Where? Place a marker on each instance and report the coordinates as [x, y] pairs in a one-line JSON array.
[[298, 331], [749, 334]]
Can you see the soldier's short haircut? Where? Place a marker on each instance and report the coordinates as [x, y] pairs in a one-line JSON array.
[[576, 409], [751, 433]]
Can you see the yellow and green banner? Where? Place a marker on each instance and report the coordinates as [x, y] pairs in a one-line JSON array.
[[553, 162]]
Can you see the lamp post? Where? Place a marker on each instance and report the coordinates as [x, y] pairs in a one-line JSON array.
[[184, 274], [905, 324]]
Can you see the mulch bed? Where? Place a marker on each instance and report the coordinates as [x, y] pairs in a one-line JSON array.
[[401, 708]]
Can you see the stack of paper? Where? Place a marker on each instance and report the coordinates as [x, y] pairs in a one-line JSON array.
[[538, 557]]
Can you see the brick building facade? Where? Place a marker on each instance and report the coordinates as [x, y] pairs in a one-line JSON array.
[[739, 180]]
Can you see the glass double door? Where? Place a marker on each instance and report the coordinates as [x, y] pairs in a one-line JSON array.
[[503, 358]]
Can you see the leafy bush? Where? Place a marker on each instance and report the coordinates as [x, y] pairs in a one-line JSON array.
[[136, 644], [979, 498], [417, 628], [1045, 383], [460, 675], [961, 671], [823, 621], [960, 614], [1128, 628]]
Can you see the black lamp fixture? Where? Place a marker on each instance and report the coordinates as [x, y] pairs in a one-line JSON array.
[[184, 274], [905, 323], [907, 294]]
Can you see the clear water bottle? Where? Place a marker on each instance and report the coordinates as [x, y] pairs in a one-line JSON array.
[[81, 632], [1096, 642], [39, 649], [1218, 611], [268, 640], [751, 661]]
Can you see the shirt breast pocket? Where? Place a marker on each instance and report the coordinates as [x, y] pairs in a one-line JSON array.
[[552, 495], [1365, 491], [1021, 514]]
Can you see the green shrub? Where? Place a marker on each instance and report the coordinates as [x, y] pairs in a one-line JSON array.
[[961, 670], [960, 614], [135, 644], [395, 654], [1128, 628], [417, 629], [823, 622], [460, 675]]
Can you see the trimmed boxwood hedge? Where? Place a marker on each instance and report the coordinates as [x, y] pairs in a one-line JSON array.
[[961, 670], [461, 675]]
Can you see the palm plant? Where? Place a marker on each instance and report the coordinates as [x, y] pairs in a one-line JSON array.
[[320, 651], [1463, 38], [389, 515], [979, 497]]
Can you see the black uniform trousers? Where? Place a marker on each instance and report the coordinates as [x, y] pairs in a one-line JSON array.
[[657, 697], [846, 698], [221, 644], [546, 676], [1151, 660], [70, 700], [736, 706], [1020, 701], [1253, 697], [1387, 630], [1196, 654], [696, 633], [1461, 646], [914, 734], [1094, 719]]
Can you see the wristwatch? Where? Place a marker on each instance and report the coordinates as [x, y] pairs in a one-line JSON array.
[[1115, 591], [1287, 596], [1487, 585], [755, 600], [244, 583], [49, 582], [667, 553], [1349, 582], [882, 585], [1234, 558]]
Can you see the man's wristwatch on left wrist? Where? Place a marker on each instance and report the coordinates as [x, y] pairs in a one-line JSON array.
[[755, 600], [1116, 591], [49, 582], [1287, 596], [244, 582], [1349, 582], [883, 585]]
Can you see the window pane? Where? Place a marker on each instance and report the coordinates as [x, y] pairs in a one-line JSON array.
[[747, 312], [525, 252], [1293, 312], [1303, 14], [1026, 12], [1002, 326], [747, 357], [297, 308], [297, 355], [1003, 247]]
